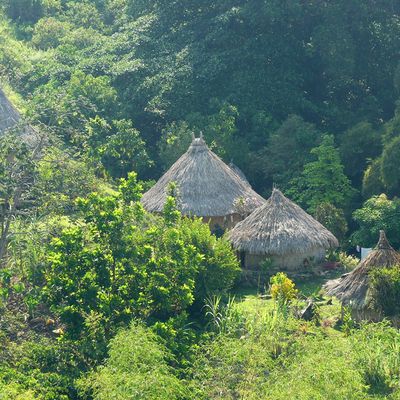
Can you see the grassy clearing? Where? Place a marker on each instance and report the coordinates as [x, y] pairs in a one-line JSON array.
[[277, 357]]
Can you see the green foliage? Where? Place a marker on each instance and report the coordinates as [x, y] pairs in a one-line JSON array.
[[318, 369], [170, 211], [333, 219], [378, 213], [69, 104], [136, 369], [23, 10], [222, 318], [376, 347], [282, 289], [167, 75], [219, 130], [238, 361], [130, 189], [313, 362], [17, 172], [219, 268], [181, 338], [348, 322], [390, 166], [49, 32], [358, 145], [61, 179], [40, 368], [117, 146], [372, 181], [27, 250], [122, 263], [385, 289], [122, 84], [347, 261], [13, 391], [289, 150], [175, 140], [323, 180], [84, 14]]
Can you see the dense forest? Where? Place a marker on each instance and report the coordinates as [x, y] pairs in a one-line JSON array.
[[100, 299]]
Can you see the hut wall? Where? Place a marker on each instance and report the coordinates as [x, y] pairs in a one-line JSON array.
[[287, 262], [366, 314]]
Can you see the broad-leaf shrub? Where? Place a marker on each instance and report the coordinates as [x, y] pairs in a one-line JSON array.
[[136, 369], [120, 262], [385, 289], [282, 288]]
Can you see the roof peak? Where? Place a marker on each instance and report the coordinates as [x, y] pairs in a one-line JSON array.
[[198, 143], [277, 194], [383, 243]]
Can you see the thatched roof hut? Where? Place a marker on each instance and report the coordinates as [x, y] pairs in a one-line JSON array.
[[207, 188], [353, 288], [282, 231], [9, 116]]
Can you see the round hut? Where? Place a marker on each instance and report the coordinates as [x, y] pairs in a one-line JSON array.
[[352, 289], [282, 232], [207, 188]]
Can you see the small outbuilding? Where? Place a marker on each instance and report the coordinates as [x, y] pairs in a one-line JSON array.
[[284, 233], [353, 289], [207, 188]]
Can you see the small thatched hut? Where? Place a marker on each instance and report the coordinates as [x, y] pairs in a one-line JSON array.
[[9, 116], [282, 232], [353, 288], [207, 188]]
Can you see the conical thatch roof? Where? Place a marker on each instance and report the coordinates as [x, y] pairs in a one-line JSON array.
[[9, 116], [207, 186], [353, 287], [238, 172], [280, 227]]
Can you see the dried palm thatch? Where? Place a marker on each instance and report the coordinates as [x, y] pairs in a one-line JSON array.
[[207, 187], [353, 288], [238, 172], [9, 116], [280, 228]]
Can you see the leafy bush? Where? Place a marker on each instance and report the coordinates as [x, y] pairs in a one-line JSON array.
[[317, 368], [377, 353], [347, 261], [282, 288], [230, 368], [135, 369], [385, 289], [48, 32], [120, 262], [333, 219], [23, 10], [40, 368], [377, 213], [13, 391]]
